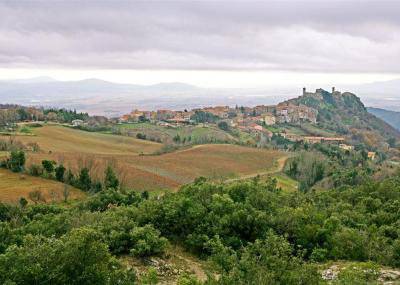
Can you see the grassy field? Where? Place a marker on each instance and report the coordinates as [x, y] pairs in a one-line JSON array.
[[77, 149], [197, 134], [63, 139], [14, 186], [214, 161], [285, 182]]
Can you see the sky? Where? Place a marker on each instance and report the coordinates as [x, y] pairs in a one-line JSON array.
[[205, 43]]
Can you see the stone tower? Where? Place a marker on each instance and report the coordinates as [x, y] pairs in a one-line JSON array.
[[304, 91]]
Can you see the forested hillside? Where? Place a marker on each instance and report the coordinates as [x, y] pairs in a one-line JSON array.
[[345, 114]]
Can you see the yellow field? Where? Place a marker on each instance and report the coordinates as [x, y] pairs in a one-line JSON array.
[[62, 139], [77, 149], [14, 186]]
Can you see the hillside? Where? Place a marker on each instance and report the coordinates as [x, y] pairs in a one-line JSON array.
[[390, 117], [13, 186], [135, 160], [346, 115]]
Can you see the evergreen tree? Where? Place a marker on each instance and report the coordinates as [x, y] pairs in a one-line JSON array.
[[60, 171], [84, 181], [111, 180], [17, 161]]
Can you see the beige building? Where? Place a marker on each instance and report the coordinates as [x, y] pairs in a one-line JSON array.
[[371, 155], [346, 147], [269, 119]]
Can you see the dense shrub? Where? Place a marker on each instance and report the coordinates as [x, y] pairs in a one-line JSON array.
[[77, 258]]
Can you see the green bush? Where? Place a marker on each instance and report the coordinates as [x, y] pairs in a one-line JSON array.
[[146, 241], [16, 161], [77, 258]]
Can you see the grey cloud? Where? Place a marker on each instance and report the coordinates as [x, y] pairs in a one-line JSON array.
[[353, 36]]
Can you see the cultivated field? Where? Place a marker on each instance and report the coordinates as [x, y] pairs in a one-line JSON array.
[[62, 139], [76, 149], [197, 134], [14, 186]]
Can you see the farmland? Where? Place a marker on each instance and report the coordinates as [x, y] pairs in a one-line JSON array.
[[62, 139], [14, 186], [196, 134], [76, 149]]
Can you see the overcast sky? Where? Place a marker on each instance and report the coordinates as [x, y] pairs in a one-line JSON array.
[[219, 42]]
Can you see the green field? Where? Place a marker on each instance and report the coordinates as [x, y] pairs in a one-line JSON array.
[[285, 182]]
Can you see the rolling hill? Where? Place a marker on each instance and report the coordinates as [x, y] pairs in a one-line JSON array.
[[346, 115], [390, 117], [13, 186], [75, 149]]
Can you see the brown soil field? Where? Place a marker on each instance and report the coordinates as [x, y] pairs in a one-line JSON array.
[[218, 162], [13, 186], [77, 149]]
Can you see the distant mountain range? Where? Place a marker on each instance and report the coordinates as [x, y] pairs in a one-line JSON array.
[[390, 117], [101, 97], [381, 94], [112, 99]]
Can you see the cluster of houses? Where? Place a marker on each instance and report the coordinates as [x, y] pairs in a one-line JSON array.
[[250, 119], [236, 117]]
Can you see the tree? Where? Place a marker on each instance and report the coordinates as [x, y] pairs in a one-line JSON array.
[[84, 180], [97, 187], [66, 193], [292, 172], [52, 116], [392, 142], [35, 170], [177, 138], [203, 117], [145, 195], [60, 171], [17, 161], [110, 180], [223, 126], [23, 202], [48, 166], [36, 196], [70, 178]]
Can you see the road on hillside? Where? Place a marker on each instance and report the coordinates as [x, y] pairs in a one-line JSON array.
[[280, 164]]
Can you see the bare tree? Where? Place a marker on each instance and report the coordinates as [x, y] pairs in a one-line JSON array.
[[36, 196], [66, 192], [54, 195]]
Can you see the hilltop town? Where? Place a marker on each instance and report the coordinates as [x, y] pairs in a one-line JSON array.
[[285, 112], [259, 120]]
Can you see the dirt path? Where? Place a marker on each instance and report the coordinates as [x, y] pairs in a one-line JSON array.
[[195, 267], [278, 167]]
